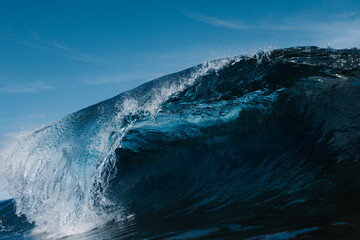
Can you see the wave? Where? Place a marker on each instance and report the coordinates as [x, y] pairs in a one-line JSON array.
[[244, 146]]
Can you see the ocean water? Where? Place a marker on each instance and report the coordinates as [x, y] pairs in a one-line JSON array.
[[265, 146]]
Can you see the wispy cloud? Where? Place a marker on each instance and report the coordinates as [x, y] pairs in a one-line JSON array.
[[56, 47], [346, 15], [339, 31], [238, 24], [27, 88], [232, 24]]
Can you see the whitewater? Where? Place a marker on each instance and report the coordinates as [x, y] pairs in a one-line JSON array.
[[263, 146]]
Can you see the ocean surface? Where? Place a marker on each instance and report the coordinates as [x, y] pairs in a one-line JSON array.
[[264, 146]]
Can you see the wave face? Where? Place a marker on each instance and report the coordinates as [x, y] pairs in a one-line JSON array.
[[263, 146]]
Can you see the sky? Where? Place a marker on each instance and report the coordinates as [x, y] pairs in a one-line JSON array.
[[57, 57]]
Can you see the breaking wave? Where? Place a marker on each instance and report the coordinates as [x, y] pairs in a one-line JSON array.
[[240, 147]]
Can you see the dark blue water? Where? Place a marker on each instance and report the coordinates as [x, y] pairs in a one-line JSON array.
[[254, 147]]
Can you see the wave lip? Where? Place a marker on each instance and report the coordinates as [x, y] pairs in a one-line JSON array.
[[236, 141]]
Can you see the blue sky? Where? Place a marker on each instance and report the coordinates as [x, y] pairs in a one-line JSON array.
[[57, 57]]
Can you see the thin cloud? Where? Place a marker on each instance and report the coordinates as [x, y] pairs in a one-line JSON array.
[[241, 25], [347, 15], [56, 47], [27, 88], [338, 31], [232, 24], [65, 50]]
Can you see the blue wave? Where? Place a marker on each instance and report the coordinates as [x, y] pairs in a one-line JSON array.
[[236, 148]]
